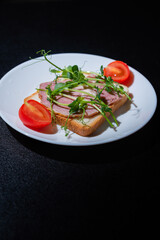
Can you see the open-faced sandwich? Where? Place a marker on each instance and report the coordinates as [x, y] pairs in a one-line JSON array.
[[78, 101]]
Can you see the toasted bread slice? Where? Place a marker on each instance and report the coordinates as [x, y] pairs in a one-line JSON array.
[[89, 125]]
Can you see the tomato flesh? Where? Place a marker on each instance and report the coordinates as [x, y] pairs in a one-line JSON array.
[[34, 115], [118, 71]]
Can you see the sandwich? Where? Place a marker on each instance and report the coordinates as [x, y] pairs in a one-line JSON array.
[[80, 101]]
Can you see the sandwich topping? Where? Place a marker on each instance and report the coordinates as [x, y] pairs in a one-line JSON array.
[[61, 107], [77, 94]]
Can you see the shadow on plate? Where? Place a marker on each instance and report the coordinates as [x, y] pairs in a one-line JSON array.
[[122, 110]]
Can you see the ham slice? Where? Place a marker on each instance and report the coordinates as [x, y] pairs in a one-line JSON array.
[[64, 110]]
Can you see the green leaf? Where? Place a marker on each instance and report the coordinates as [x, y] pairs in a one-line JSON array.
[[108, 89], [59, 86], [54, 71], [105, 109], [77, 105], [108, 79], [69, 68], [49, 91], [69, 75], [64, 73], [101, 69], [75, 68], [98, 95]]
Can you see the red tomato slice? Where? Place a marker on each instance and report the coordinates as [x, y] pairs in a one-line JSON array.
[[118, 71], [34, 115]]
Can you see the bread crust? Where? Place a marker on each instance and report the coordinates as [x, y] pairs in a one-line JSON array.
[[91, 124]]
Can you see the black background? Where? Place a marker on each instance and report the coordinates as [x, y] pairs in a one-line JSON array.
[[105, 191]]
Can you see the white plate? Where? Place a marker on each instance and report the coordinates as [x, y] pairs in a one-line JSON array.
[[22, 80]]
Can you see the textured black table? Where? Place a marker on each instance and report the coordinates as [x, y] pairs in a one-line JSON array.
[[107, 191]]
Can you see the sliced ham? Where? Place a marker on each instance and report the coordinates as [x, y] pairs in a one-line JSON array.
[[63, 110], [109, 98], [90, 111]]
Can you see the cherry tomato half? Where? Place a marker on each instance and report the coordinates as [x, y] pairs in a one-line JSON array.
[[118, 71], [34, 115]]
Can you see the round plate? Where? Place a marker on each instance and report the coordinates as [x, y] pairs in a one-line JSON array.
[[23, 80]]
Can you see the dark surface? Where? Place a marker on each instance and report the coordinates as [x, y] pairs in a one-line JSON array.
[[107, 191]]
